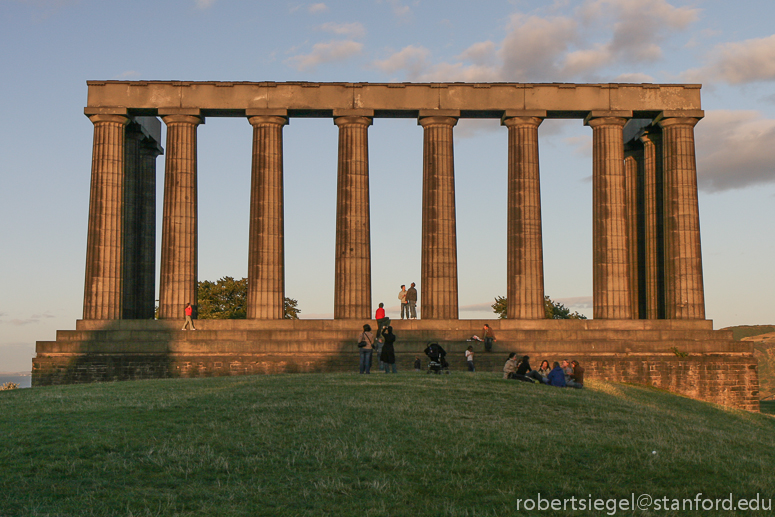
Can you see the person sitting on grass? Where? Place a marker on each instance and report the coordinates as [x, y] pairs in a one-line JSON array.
[[577, 378], [510, 368], [557, 376], [568, 369], [544, 370], [525, 373]]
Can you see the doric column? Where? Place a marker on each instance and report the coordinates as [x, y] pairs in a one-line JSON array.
[[632, 165], [352, 283], [146, 289], [266, 256], [611, 266], [102, 297], [525, 261], [438, 275], [133, 202], [685, 297], [652, 225], [178, 279]]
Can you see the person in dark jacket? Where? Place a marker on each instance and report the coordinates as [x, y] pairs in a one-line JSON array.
[[388, 355], [525, 373], [556, 377]]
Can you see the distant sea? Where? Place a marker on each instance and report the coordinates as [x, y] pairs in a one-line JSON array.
[[24, 381]]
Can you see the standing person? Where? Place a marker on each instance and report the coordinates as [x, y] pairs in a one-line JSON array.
[[404, 303], [417, 364], [388, 355], [382, 320], [189, 311], [378, 343], [470, 359], [367, 340], [489, 338], [411, 300]]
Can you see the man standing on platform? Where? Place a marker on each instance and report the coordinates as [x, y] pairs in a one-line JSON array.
[[411, 300], [404, 304], [189, 311], [382, 320]]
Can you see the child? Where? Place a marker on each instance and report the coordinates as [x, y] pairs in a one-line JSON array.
[[470, 359]]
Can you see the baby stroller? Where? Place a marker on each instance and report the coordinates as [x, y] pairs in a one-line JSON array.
[[436, 359]]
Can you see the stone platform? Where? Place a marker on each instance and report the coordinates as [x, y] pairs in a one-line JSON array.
[[683, 356]]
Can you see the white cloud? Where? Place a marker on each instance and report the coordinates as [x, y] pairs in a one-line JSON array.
[[350, 30], [399, 9], [412, 59], [532, 49], [739, 62], [127, 74], [735, 149], [325, 53], [317, 8], [634, 78], [561, 48], [482, 53], [204, 4]]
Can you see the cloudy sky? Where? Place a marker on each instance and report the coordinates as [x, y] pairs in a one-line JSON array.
[[50, 48]]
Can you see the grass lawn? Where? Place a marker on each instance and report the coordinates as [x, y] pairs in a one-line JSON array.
[[379, 445]]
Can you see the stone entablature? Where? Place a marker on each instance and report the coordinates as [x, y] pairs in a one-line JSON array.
[[473, 100]]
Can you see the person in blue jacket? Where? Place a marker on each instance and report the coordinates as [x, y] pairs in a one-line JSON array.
[[557, 376]]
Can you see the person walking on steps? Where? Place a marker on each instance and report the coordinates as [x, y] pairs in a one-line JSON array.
[[189, 311]]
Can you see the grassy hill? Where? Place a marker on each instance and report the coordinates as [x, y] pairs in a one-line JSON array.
[[379, 445]]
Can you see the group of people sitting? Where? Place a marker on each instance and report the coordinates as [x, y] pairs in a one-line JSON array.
[[568, 374]]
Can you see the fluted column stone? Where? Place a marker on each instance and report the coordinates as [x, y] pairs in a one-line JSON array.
[[611, 265], [438, 275], [684, 291], [105, 247], [133, 191], [178, 279], [352, 285], [631, 168], [146, 306], [525, 267], [266, 255], [653, 221]]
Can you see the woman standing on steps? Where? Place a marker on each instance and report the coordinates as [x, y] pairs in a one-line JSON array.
[[366, 347]]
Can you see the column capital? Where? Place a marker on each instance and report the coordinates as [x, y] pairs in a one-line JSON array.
[[119, 119], [679, 114], [264, 120], [112, 110], [353, 121], [521, 121], [613, 117], [676, 121], [437, 121], [182, 119], [509, 114]]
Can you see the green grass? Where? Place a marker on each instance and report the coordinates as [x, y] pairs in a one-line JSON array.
[[379, 445]]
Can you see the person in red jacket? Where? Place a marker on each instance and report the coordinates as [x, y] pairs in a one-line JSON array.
[[382, 320], [189, 311]]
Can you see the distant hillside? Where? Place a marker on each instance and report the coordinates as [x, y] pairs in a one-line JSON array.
[[763, 338]]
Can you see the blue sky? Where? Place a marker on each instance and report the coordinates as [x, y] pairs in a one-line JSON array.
[[50, 48]]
